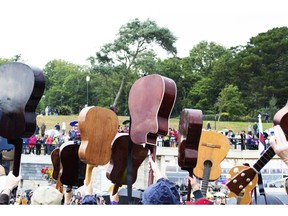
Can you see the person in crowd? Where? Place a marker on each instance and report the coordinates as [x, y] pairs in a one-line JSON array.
[[57, 126], [49, 143], [11, 182], [163, 191], [47, 195], [42, 129], [63, 128], [39, 145], [32, 143], [208, 125]]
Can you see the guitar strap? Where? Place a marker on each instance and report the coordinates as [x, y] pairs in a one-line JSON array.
[[129, 168]]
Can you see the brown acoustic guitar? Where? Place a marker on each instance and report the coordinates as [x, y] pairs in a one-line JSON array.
[[98, 126], [117, 169], [21, 89], [72, 167], [190, 128], [151, 100], [213, 148], [57, 168], [243, 179]]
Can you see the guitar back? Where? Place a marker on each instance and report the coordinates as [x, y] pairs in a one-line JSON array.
[[117, 169], [150, 102], [213, 147], [98, 127], [72, 167], [22, 87], [281, 118], [190, 128]]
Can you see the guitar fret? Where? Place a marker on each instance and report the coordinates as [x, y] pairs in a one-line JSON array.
[[264, 159]]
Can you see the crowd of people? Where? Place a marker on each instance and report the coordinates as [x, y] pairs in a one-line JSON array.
[[43, 141], [162, 191]]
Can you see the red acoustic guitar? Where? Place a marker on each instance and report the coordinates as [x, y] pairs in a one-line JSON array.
[[213, 148], [243, 179], [151, 100], [21, 88], [190, 128], [98, 127], [117, 169]]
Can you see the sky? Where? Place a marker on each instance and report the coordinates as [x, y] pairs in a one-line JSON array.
[[73, 30]]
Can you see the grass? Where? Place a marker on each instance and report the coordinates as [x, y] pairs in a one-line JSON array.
[[50, 122]]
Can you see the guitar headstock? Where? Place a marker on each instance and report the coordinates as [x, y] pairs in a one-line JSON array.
[[241, 179]]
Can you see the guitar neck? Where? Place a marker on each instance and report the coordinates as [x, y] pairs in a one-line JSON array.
[[264, 159], [206, 176]]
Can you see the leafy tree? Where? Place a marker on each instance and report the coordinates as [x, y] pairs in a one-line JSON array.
[[65, 85], [229, 101], [135, 42]]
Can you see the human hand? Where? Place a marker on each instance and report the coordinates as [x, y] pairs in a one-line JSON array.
[[193, 182], [279, 143], [155, 169], [12, 181], [115, 197]]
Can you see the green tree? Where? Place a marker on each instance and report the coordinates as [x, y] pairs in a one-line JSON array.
[[135, 42], [229, 101], [65, 85]]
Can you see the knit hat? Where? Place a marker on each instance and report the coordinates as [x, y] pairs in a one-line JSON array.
[[46, 195], [162, 192]]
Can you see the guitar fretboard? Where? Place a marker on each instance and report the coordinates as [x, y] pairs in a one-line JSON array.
[[264, 159], [206, 176]]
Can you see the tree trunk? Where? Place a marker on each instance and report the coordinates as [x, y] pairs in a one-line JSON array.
[[118, 93]]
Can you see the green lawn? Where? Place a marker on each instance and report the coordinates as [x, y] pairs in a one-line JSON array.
[[50, 121]]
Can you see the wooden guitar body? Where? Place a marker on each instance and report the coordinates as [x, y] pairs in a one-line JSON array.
[[151, 100], [117, 169], [21, 88], [72, 167], [190, 128], [57, 168], [213, 148], [98, 127]]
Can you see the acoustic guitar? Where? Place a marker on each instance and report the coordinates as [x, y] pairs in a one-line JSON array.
[[117, 169], [73, 169], [190, 128], [212, 150], [57, 168], [243, 179], [151, 100], [21, 88], [98, 127]]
